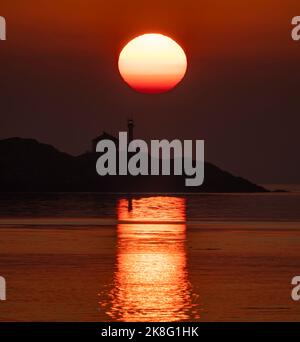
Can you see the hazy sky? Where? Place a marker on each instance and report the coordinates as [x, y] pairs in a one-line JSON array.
[[59, 81]]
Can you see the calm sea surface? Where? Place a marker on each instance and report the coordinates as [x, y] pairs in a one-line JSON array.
[[92, 257], [215, 207]]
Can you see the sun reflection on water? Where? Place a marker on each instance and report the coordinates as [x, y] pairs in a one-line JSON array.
[[151, 277], [152, 209]]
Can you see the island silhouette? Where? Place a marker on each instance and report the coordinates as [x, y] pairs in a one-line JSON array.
[[26, 165]]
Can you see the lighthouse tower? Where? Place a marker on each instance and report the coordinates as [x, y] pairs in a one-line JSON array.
[[130, 125]]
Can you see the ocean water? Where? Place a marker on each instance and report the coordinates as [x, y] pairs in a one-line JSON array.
[[94, 257], [197, 207]]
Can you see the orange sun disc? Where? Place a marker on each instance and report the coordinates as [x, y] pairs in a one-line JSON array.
[[152, 63]]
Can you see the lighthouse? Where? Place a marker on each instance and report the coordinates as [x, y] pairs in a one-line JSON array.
[[130, 125]]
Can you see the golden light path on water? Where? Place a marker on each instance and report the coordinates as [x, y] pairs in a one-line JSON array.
[[151, 277]]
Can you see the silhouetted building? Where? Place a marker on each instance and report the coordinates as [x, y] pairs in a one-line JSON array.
[[104, 136], [107, 136]]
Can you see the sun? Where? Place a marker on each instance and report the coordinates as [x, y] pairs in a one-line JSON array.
[[152, 63]]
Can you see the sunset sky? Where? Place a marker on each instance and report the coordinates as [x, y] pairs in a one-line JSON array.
[[60, 84]]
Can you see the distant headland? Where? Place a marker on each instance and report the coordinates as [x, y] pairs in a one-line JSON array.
[[27, 165]]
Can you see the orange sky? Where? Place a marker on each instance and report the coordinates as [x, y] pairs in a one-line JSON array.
[[205, 26], [61, 75]]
